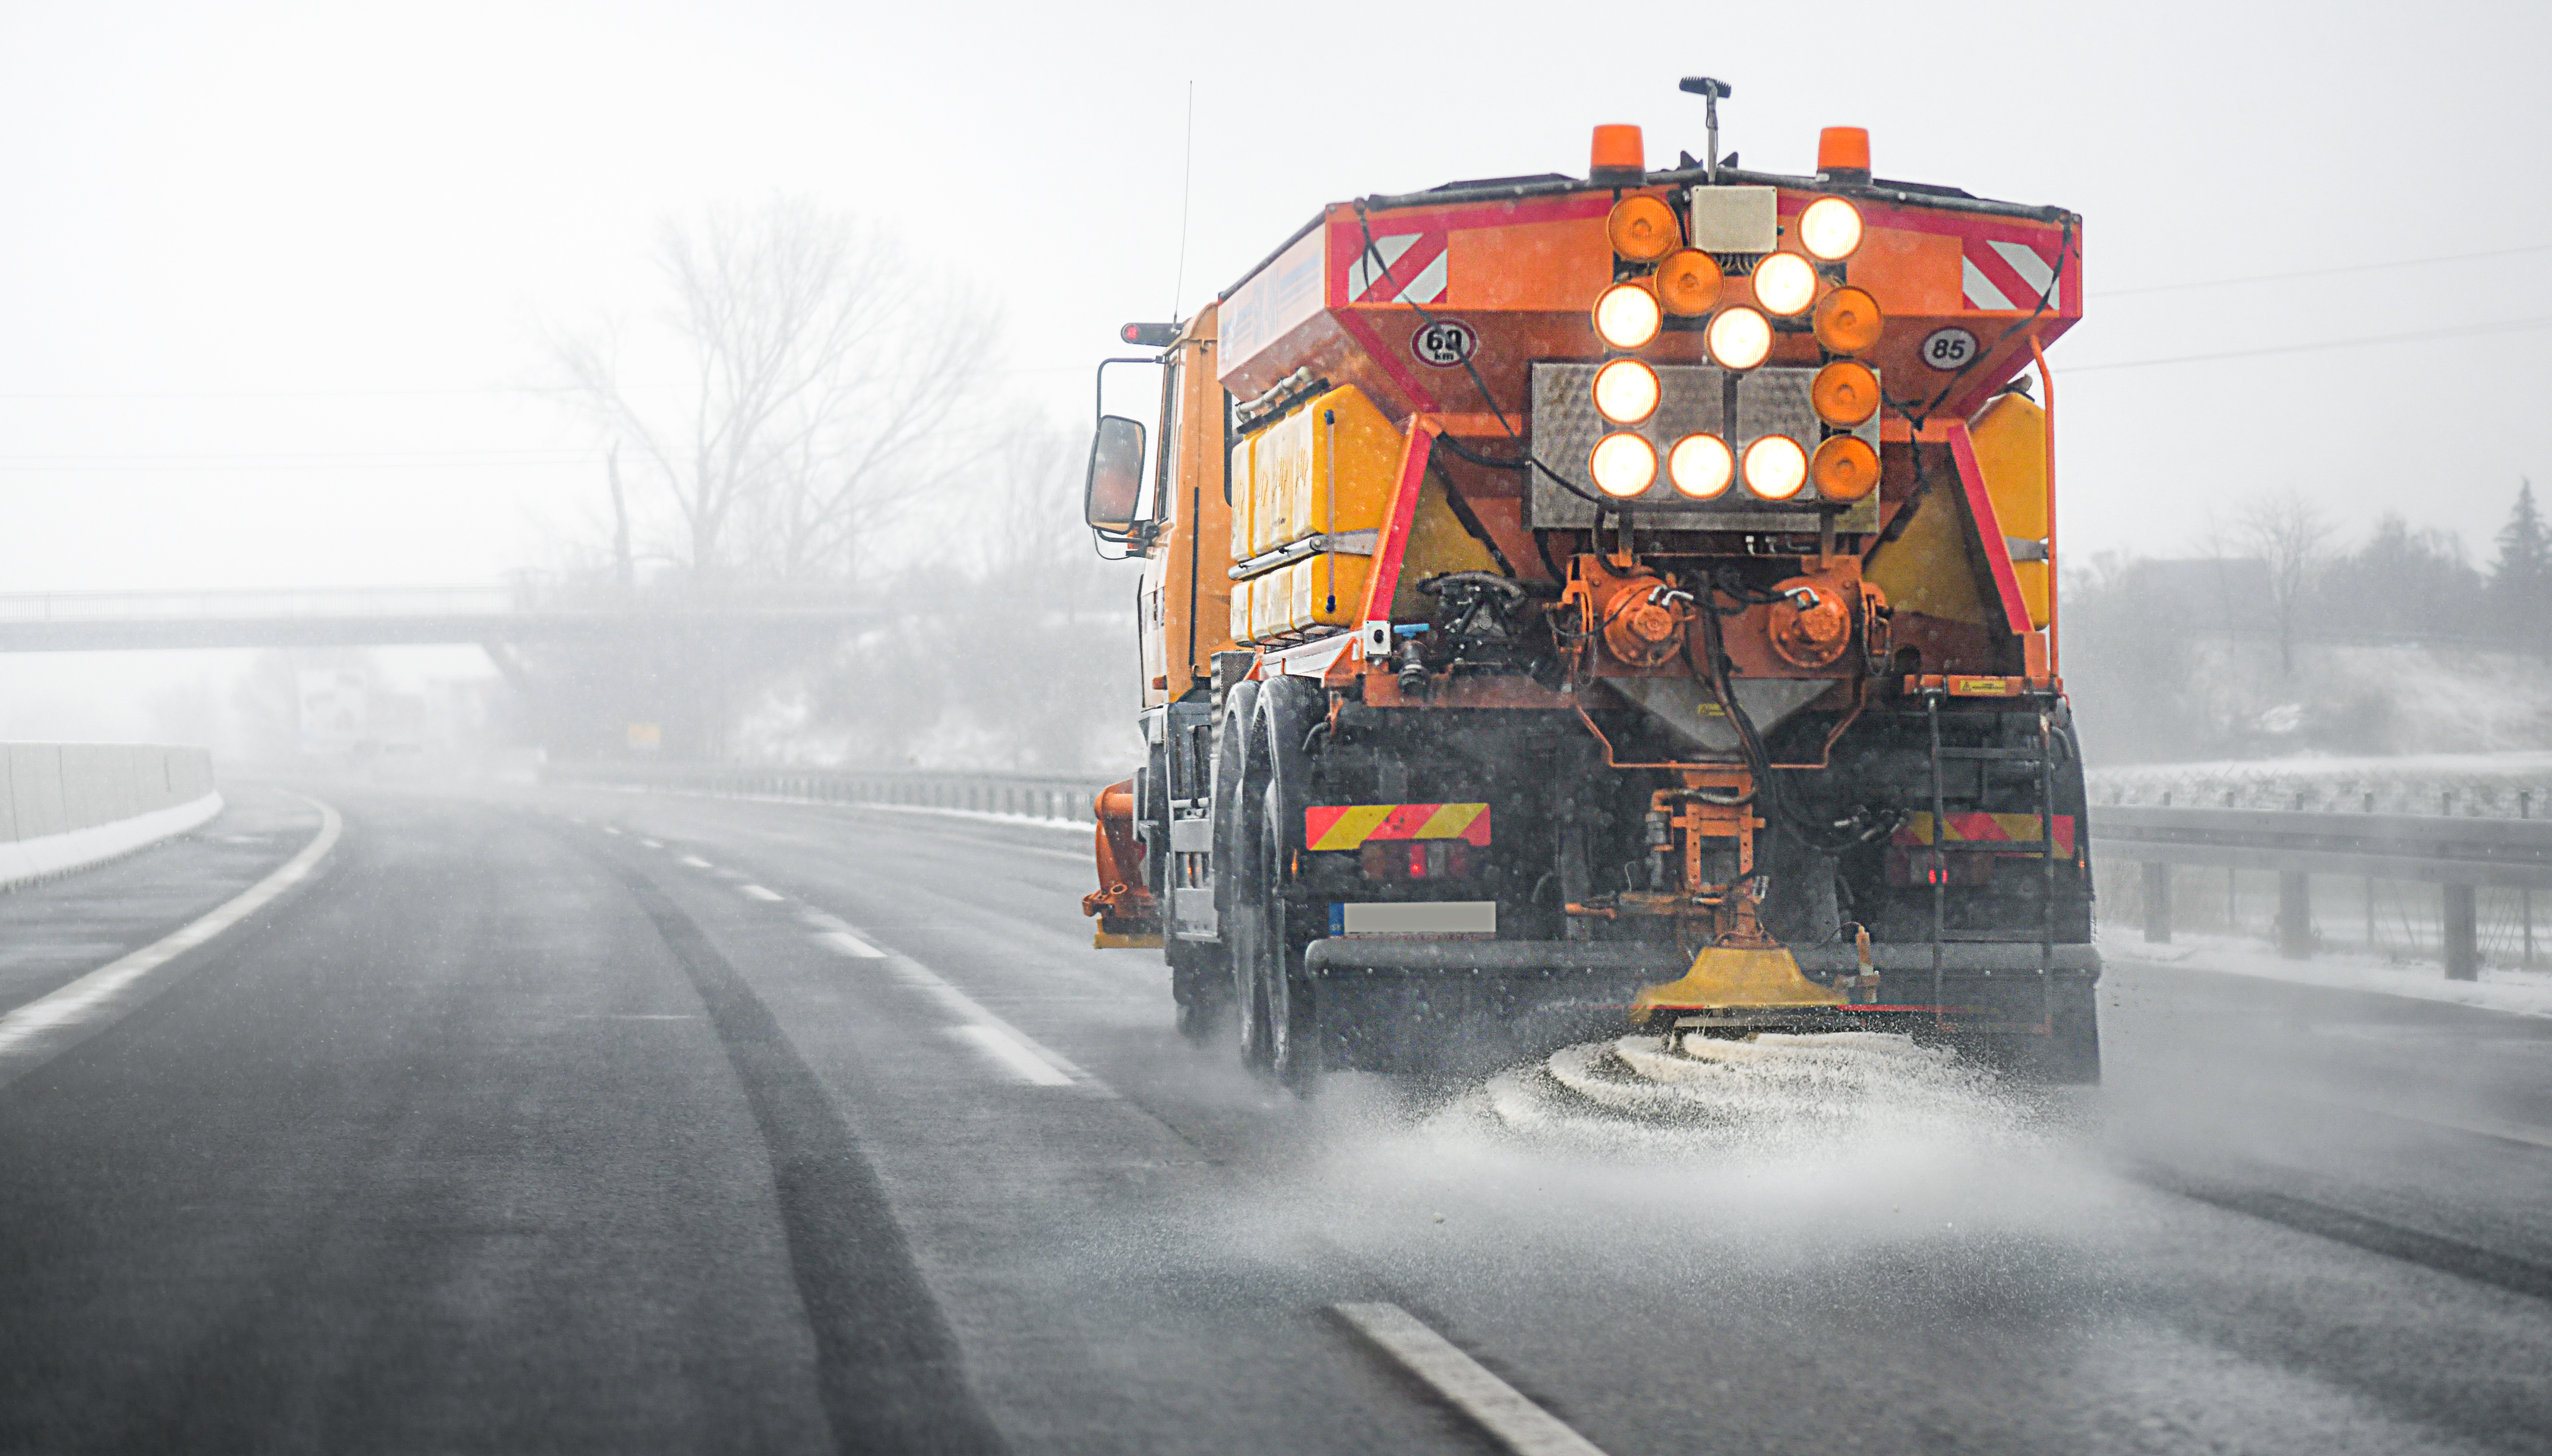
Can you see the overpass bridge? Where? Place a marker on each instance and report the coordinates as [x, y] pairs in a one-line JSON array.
[[495, 616]]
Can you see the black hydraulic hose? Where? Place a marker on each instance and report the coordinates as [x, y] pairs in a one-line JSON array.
[[1824, 839], [1528, 461]]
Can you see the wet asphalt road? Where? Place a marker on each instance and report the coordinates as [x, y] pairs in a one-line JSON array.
[[805, 1128]]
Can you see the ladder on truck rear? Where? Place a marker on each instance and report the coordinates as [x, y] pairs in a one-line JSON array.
[[2042, 756]]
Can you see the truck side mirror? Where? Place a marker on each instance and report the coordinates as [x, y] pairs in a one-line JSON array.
[[1116, 481]]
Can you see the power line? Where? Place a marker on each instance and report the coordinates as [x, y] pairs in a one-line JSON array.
[[2460, 330], [534, 390], [2352, 268], [291, 393], [350, 461]]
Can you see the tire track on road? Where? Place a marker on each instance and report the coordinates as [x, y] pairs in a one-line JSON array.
[[2358, 1231], [891, 1372]]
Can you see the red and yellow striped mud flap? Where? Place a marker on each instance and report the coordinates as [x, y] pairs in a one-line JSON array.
[[1348, 826]]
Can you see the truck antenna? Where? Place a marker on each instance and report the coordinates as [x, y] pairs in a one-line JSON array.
[[1709, 89], [1186, 189]]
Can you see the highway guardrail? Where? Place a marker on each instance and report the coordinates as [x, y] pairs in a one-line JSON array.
[[1065, 796], [2456, 854]]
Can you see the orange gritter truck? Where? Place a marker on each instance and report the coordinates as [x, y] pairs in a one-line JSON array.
[[1571, 603]]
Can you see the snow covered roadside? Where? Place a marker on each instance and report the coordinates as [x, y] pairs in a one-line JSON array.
[[2483, 785], [26, 861], [2499, 989]]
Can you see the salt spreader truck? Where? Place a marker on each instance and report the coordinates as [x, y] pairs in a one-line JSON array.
[[1576, 603]]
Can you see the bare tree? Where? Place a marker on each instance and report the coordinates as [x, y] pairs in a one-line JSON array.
[[2291, 535], [821, 379]]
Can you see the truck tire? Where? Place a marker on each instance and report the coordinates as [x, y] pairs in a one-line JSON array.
[[2070, 1056], [1288, 709], [1239, 783]]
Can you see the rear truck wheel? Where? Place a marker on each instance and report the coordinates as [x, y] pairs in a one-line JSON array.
[[1288, 709], [1239, 785], [1292, 1039], [2066, 1055], [2069, 1055]]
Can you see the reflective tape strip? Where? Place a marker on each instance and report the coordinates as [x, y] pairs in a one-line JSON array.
[[2032, 267], [1457, 821], [1369, 267], [1348, 826], [1975, 828], [1979, 290], [1343, 826]]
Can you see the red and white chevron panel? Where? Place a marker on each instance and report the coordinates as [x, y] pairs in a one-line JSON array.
[[1404, 267]]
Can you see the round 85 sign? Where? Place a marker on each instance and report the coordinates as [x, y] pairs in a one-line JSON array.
[[1947, 349], [1443, 342]]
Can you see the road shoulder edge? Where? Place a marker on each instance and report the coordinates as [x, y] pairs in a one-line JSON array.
[[37, 1032]]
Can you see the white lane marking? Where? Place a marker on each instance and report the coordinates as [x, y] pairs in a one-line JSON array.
[[991, 1031], [757, 893], [1500, 1409], [1006, 1050], [651, 844], [608, 829], [695, 861], [50, 1024]]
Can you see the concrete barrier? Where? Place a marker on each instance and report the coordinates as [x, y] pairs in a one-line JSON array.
[[64, 806]]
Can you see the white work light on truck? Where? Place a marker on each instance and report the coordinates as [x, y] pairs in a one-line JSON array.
[[1700, 466], [1739, 338], [1785, 284], [1627, 316], [1776, 467], [1623, 466], [1626, 392], [1830, 229]]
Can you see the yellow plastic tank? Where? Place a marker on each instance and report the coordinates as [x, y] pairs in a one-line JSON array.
[[2010, 439], [1328, 468]]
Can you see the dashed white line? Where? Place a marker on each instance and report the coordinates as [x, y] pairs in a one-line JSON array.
[[651, 844], [695, 861], [608, 829], [1006, 1043], [757, 893], [1500, 1409], [1006, 1049]]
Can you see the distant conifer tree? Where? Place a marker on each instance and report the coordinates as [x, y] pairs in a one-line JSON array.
[[2521, 579]]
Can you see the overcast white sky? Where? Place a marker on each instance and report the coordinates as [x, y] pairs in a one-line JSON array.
[[266, 271]]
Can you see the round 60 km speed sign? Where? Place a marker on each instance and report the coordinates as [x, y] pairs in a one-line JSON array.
[[1443, 342], [1947, 349]]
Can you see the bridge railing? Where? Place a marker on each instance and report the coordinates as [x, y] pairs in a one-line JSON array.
[[352, 601], [1064, 797]]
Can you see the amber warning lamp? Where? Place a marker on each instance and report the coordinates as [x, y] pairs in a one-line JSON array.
[[1843, 153], [1151, 335], [1618, 157]]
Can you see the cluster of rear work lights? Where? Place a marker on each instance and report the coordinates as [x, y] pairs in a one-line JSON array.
[[1687, 282]]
